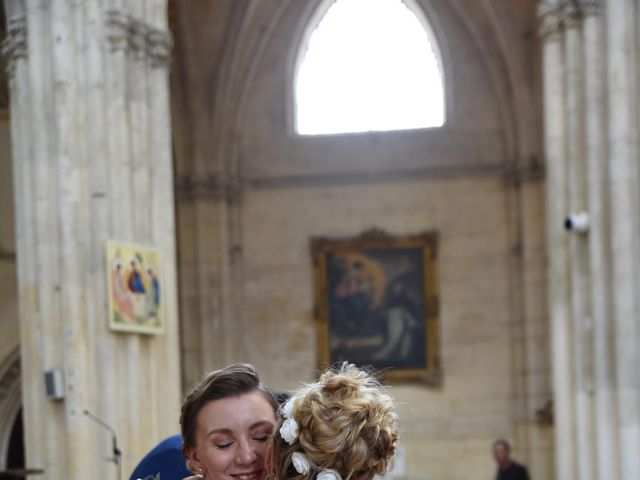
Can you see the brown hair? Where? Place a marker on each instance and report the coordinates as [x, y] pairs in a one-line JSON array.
[[503, 442], [346, 422], [231, 381]]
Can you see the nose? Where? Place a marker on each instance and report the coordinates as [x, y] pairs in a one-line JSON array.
[[246, 453]]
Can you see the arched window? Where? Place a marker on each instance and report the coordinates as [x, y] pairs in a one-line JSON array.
[[368, 65]]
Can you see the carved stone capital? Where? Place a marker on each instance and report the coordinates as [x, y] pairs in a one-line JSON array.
[[551, 16], [557, 15], [137, 38], [159, 46], [591, 7], [15, 45], [571, 14], [117, 29]]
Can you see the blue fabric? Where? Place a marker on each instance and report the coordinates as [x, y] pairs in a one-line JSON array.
[[165, 459]]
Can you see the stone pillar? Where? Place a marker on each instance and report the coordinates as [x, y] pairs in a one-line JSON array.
[[597, 366], [622, 30], [557, 242], [208, 188], [601, 364], [92, 163], [579, 267]]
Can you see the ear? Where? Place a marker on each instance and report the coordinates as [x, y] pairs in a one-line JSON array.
[[193, 461]]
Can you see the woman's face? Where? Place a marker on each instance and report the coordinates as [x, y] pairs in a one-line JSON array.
[[232, 435]]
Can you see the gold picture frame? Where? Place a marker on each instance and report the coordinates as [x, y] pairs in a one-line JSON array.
[[377, 303], [135, 288]]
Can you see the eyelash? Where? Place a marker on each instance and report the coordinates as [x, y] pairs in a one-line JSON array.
[[263, 438]]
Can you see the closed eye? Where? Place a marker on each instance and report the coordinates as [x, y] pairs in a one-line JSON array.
[[223, 446]]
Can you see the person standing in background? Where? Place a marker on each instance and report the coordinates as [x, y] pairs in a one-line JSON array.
[[507, 468]]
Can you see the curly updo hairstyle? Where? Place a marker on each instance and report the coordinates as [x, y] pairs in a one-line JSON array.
[[346, 423]]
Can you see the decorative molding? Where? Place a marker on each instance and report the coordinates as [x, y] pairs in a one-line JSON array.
[[159, 47], [372, 177], [556, 15], [15, 45], [550, 15], [138, 38], [571, 14], [212, 187], [591, 7], [534, 171], [117, 30]]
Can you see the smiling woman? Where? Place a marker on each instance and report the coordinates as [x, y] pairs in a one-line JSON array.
[[227, 421]]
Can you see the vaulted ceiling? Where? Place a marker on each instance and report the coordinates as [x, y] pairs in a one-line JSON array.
[[219, 43]]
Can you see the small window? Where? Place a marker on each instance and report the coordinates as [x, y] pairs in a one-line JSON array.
[[369, 65]]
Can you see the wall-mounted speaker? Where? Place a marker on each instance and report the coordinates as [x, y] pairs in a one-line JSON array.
[[54, 384]]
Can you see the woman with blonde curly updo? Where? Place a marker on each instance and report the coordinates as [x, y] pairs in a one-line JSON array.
[[342, 427]]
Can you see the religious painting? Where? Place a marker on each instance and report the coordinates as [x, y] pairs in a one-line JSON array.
[[135, 288], [376, 303]]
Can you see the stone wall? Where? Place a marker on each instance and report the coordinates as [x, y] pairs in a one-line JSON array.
[[252, 194], [476, 402]]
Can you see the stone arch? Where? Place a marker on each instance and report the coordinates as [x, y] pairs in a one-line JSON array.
[[10, 401]]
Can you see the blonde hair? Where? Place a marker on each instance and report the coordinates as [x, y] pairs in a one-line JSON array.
[[346, 423]]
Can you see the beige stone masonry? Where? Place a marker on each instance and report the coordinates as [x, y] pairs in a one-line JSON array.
[[92, 163]]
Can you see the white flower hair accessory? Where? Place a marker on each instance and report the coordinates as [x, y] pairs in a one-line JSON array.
[[289, 430], [300, 463], [287, 408], [328, 474]]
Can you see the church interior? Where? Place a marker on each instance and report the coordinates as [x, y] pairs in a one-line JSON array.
[[164, 214]]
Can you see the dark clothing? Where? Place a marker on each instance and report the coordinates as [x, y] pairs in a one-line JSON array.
[[515, 471]]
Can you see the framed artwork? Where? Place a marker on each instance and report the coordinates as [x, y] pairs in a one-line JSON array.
[[376, 303], [135, 288]]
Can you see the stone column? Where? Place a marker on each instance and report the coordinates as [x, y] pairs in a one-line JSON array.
[[91, 143], [551, 13], [601, 100], [579, 278], [601, 365], [622, 29], [208, 188]]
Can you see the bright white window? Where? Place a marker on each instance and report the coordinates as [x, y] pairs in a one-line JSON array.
[[369, 65]]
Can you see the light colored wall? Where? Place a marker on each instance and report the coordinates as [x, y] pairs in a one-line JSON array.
[[475, 403], [494, 334]]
